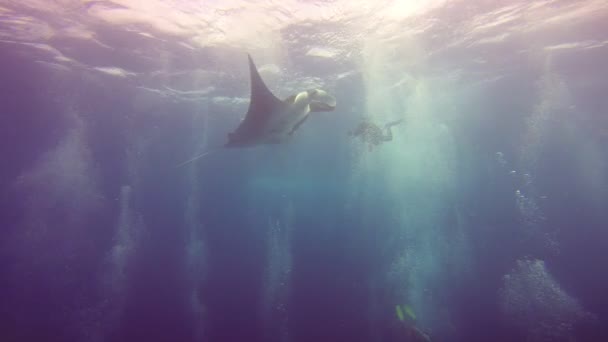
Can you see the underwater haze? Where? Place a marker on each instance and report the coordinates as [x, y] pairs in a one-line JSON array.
[[484, 218]]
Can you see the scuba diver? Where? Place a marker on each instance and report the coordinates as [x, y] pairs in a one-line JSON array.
[[372, 134]]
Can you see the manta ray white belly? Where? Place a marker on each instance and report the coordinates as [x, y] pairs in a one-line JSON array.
[[282, 126]]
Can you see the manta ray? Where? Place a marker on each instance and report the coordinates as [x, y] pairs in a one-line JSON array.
[[270, 120]]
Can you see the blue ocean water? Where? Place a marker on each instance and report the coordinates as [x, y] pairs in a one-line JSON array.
[[483, 219]]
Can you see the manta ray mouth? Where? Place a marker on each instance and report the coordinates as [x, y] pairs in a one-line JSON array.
[[321, 101], [317, 106]]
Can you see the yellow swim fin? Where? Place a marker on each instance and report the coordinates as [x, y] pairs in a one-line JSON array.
[[399, 312], [409, 311]]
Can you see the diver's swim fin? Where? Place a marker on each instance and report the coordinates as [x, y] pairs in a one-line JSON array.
[[393, 123], [399, 312]]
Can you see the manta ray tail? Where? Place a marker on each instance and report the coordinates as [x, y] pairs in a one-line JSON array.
[[195, 158]]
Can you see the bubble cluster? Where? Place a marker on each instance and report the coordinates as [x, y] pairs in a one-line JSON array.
[[528, 202], [277, 276], [532, 299]]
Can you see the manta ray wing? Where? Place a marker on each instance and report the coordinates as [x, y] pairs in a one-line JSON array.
[[263, 106]]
